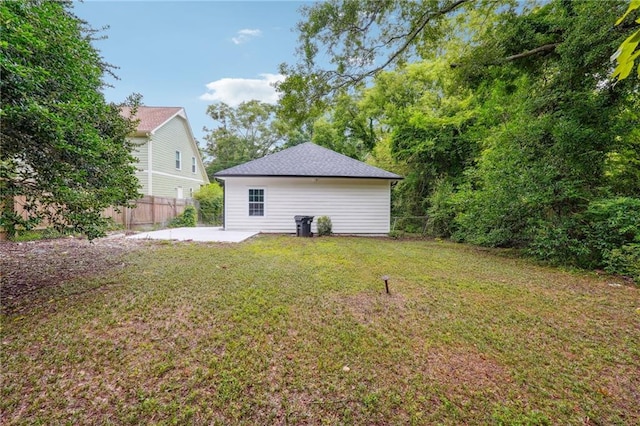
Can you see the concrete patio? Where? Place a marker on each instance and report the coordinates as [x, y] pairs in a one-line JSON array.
[[210, 234]]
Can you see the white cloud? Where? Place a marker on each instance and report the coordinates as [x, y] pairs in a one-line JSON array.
[[245, 35], [233, 91]]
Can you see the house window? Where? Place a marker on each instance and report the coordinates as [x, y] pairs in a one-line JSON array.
[[193, 164], [256, 202], [178, 160], [190, 192]]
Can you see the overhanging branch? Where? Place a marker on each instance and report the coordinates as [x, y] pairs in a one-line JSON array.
[[349, 79], [546, 48], [426, 18]]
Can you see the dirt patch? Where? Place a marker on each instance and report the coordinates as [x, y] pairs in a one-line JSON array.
[[28, 267], [465, 367], [451, 367], [367, 306]]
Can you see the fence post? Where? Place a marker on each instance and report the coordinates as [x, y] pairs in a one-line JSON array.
[[153, 210]]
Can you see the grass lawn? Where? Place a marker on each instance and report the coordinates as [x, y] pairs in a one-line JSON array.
[[284, 330]]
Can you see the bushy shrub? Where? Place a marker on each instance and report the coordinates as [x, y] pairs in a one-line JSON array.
[[613, 235], [606, 235], [491, 216], [442, 210], [324, 226], [188, 218], [625, 261], [558, 243], [211, 200], [613, 223]]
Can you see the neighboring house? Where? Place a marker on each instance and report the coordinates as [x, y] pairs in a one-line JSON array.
[[265, 194], [170, 164]]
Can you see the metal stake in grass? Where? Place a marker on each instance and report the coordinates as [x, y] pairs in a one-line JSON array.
[[385, 278]]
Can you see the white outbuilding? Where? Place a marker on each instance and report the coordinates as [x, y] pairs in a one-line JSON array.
[[265, 195]]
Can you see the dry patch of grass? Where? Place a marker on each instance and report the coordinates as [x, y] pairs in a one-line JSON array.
[[283, 330], [31, 270]]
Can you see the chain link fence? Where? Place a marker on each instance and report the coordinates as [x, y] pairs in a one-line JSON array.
[[409, 224]]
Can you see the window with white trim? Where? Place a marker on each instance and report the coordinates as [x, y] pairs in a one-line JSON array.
[[178, 160], [193, 164], [256, 202]]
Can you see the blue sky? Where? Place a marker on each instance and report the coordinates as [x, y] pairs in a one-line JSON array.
[[194, 53]]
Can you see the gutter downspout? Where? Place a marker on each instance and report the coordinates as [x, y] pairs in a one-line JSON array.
[[224, 205]]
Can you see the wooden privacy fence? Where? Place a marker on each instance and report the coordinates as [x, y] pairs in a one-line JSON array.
[[149, 211]]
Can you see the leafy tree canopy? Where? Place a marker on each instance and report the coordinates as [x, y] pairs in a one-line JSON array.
[[64, 151], [345, 128], [244, 133], [342, 44]]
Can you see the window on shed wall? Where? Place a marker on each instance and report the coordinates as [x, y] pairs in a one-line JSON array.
[[178, 160], [256, 202]]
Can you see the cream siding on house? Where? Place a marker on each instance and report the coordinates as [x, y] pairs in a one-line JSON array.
[[143, 179], [166, 186], [355, 206], [173, 136], [166, 141], [141, 152]]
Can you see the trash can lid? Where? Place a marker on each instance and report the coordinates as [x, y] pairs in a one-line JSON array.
[[302, 218]]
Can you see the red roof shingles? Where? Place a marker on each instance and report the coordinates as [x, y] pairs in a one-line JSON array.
[[150, 117]]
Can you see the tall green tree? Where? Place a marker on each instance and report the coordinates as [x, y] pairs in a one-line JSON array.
[[64, 150], [565, 125], [344, 43], [249, 131], [427, 117], [345, 128], [558, 174]]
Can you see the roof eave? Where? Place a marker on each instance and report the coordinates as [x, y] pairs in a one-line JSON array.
[[307, 176]]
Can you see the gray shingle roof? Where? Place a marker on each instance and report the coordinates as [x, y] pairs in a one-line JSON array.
[[309, 160]]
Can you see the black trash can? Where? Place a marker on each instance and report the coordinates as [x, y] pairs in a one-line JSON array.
[[303, 225]]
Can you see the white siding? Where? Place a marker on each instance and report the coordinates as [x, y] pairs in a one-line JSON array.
[[355, 206]]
